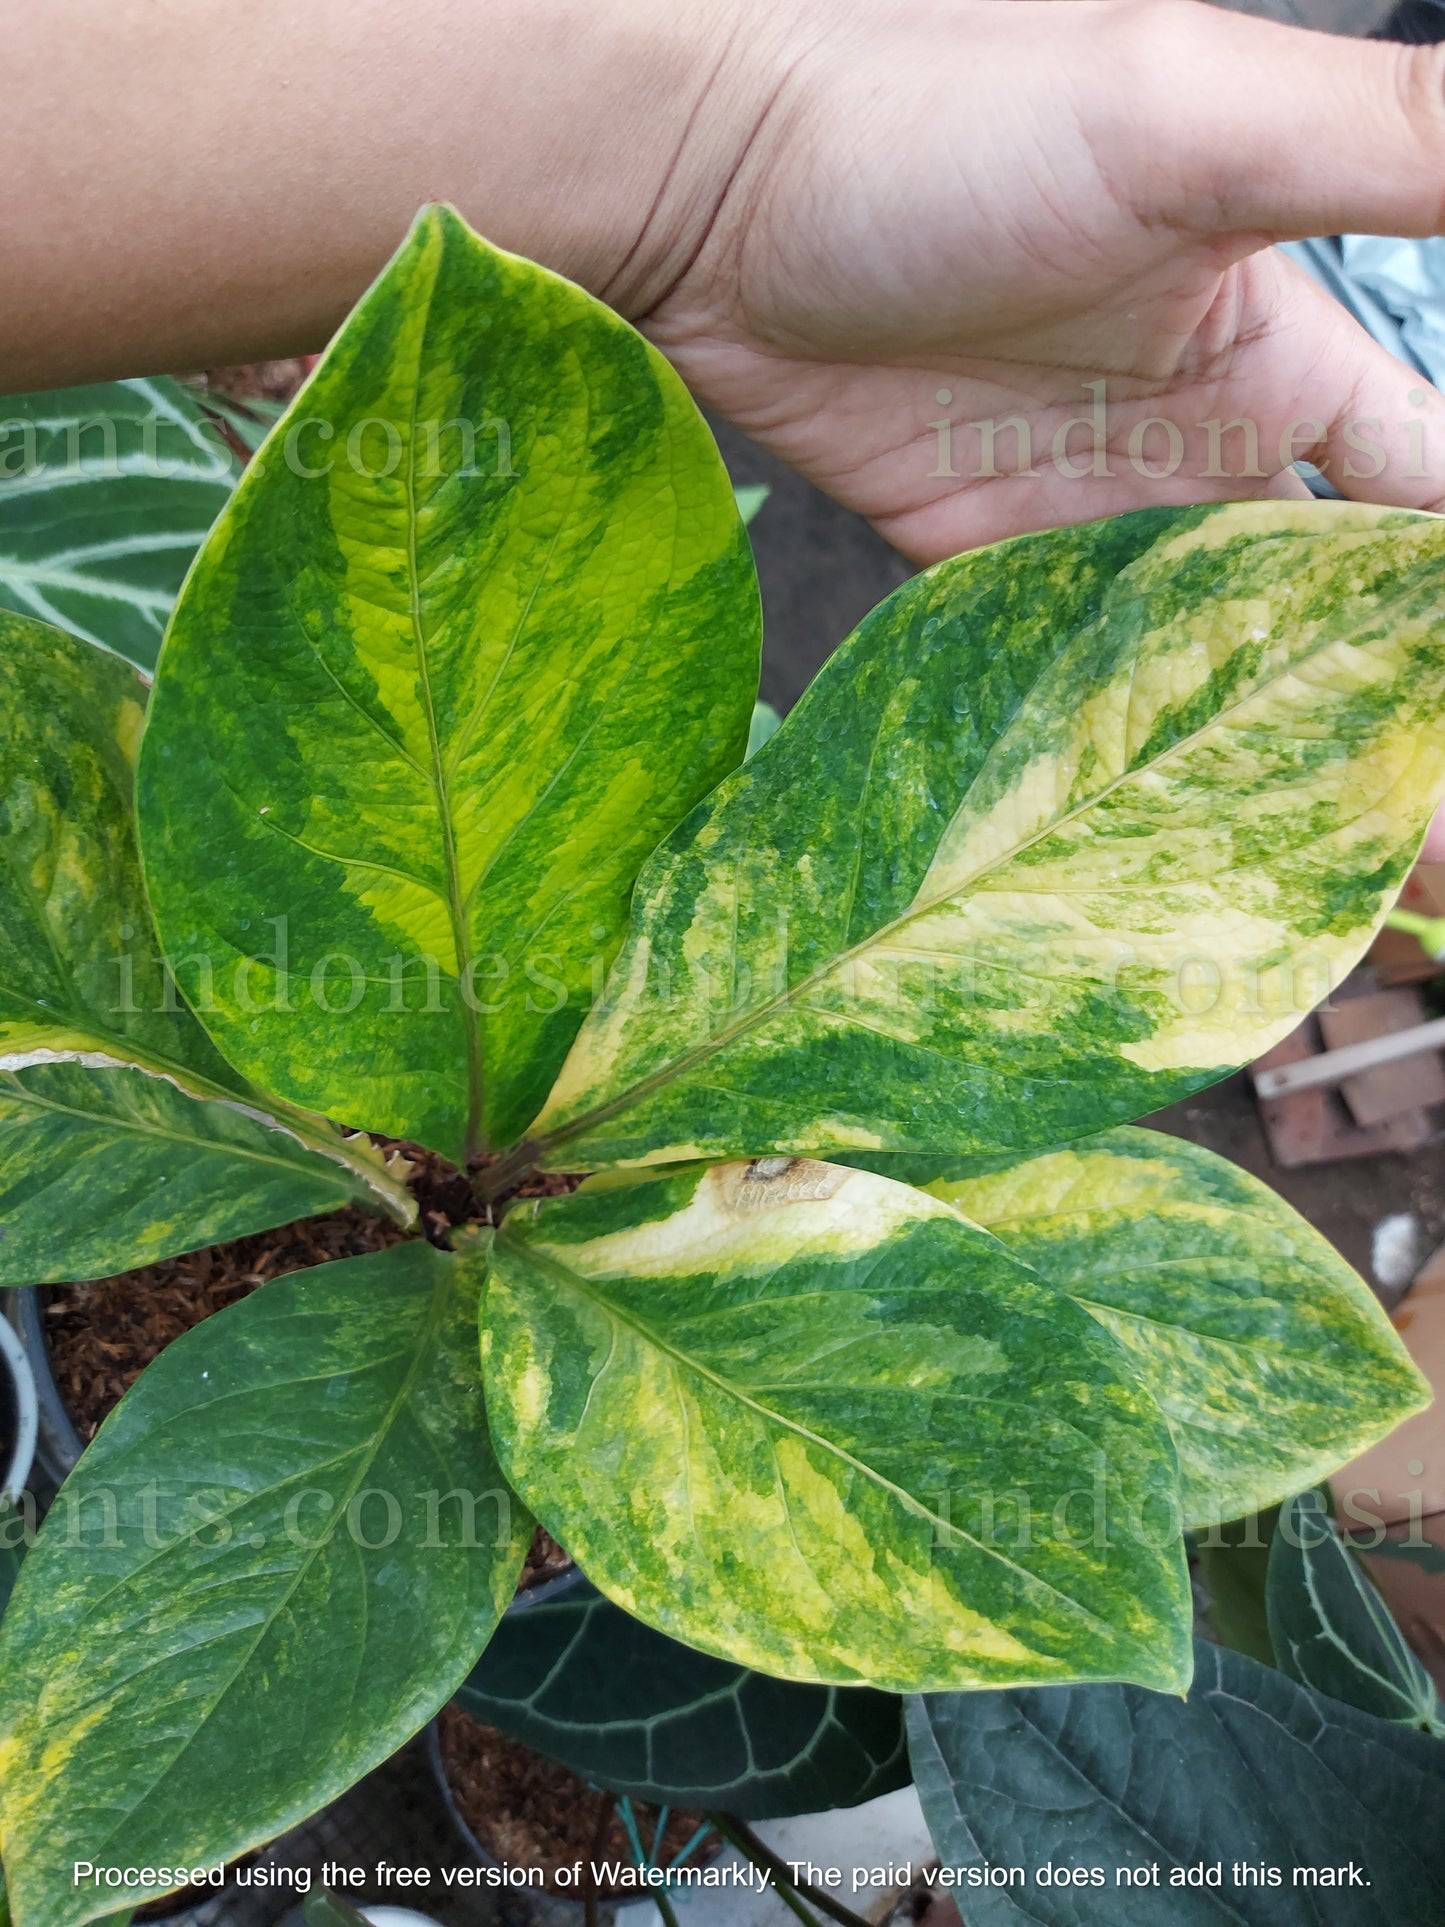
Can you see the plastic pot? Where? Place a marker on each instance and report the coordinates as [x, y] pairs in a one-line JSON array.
[[19, 1418], [58, 1443], [553, 1588], [185, 1903]]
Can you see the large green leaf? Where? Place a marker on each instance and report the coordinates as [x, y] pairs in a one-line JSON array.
[[280, 1556], [103, 1170], [812, 1421], [433, 719], [124, 1136], [12, 1553], [1232, 1564], [106, 493], [1250, 1772], [1330, 1628], [1270, 1357], [586, 1683], [1070, 827]]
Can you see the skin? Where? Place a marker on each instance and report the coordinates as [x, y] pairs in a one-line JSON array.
[[828, 213]]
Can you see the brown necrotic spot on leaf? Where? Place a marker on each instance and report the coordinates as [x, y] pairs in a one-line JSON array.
[[766, 1182]]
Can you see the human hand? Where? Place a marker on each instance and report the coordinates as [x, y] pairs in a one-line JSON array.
[[826, 212], [968, 211]]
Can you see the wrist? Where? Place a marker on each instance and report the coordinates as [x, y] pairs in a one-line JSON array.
[[714, 75]]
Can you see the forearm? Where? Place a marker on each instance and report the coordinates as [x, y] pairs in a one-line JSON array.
[[187, 183]]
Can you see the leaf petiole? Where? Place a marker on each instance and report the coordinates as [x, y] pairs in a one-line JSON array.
[[789, 1890]]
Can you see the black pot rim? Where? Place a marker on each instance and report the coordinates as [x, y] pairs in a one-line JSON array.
[[556, 1587], [16, 1364], [58, 1443], [174, 1905]]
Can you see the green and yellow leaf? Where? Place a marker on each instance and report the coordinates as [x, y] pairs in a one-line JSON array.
[[1270, 1357], [124, 1136], [1070, 827], [279, 1558], [480, 624], [813, 1422]]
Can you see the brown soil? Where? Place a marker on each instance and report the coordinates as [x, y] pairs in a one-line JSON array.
[[545, 1560], [922, 1906], [184, 1898], [101, 1336], [261, 380], [526, 1811]]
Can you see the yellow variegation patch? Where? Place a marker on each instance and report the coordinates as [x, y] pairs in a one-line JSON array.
[[491, 627], [124, 1135], [1069, 828], [1270, 1357], [811, 1420]]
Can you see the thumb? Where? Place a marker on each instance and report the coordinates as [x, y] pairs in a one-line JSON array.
[[1259, 129]]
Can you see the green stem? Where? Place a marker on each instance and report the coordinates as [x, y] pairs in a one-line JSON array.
[[664, 1906], [794, 1906], [506, 1172], [1429, 931], [748, 1844]]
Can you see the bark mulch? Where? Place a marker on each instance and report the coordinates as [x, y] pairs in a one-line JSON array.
[[527, 1811]]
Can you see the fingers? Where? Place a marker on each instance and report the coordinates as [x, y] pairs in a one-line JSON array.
[[1383, 424], [1266, 129]]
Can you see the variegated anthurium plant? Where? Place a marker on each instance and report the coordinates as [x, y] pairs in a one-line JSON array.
[[877, 1352]]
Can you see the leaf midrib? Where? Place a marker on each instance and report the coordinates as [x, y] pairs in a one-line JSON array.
[[128, 1054], [533, 1254], [1410, 1674], [455, 897], [128, 1129], [920, 908], [153, 600]]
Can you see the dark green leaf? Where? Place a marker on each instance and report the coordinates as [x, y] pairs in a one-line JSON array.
[[1330, 1628], [587, 1684], [1233, 1561], [1429, 1558], [12, 1552], [106, 493], [254, 1586], [250, 418], [1251, 1770]]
